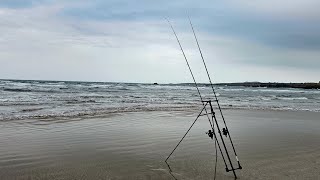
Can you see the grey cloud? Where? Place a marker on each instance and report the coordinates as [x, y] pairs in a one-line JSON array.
[[40, 39]]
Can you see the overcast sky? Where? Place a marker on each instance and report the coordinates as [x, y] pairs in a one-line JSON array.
[[130, 41]]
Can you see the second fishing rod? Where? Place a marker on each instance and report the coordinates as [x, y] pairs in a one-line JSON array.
[[215, 95]]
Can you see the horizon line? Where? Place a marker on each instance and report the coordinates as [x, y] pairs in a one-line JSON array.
[[148, 82]]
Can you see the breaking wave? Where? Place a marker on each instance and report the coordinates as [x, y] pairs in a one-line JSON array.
[[46, 99]]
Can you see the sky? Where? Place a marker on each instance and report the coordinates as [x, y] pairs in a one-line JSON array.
[[130, 41]]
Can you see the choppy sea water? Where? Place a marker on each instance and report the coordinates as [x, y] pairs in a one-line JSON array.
[[25, 99]]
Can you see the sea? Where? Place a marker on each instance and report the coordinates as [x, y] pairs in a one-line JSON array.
[[32, 99]]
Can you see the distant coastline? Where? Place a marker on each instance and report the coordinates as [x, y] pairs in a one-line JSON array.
[[274, 85], [306, 85]]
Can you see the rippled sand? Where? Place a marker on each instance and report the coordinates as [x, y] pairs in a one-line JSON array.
[[270, 145]]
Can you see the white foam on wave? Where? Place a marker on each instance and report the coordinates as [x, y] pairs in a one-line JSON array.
[[292, 98], [90, 99]]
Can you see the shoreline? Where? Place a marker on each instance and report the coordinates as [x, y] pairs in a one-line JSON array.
[[180, 109]]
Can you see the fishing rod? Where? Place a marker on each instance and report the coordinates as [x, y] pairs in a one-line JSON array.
[[210, 133], [196, 85], [213, 90], [213, 119]]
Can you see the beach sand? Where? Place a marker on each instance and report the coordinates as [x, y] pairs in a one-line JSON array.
[[270, 145]]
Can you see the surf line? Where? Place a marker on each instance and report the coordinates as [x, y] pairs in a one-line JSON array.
[[213, 121]]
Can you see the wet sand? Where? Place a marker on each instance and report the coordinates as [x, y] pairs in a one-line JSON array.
[[270, 145]]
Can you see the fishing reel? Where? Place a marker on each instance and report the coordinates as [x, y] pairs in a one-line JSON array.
[[225, 131], [210, 134]]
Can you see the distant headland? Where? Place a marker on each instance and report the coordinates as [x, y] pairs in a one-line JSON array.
[[306, 85]]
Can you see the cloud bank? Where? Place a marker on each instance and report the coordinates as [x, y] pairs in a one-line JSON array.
[[126, 41]]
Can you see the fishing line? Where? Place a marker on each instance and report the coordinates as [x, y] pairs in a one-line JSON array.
[[204, 107]]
